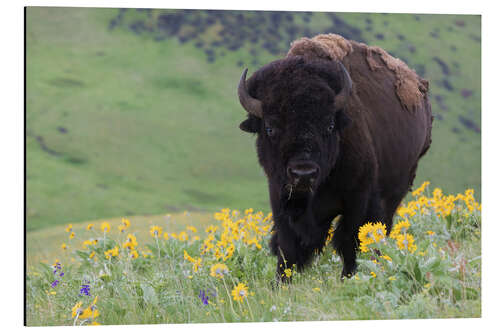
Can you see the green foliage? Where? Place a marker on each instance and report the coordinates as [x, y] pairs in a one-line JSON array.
[[438, 278]]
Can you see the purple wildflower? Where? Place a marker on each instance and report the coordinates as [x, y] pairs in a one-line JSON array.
[[203, 297], [57, 270], [57, 267], [85, 290]]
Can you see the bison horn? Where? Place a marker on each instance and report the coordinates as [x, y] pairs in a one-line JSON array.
[[252, 105], [341, 98]]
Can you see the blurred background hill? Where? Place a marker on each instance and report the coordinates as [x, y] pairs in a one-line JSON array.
[[134, 112]]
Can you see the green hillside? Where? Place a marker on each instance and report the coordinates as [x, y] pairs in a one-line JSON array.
[[135, 112]]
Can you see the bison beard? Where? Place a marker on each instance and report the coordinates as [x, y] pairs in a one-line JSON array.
[[340, 129]]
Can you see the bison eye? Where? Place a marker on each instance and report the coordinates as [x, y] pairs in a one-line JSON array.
[[270, 131], [331, 127]]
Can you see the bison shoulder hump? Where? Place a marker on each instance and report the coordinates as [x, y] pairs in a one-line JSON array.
[[410, 89]]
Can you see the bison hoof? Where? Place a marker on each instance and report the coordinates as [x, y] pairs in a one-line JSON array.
[[347, 273]]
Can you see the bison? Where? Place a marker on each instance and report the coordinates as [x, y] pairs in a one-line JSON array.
[[340, 129]]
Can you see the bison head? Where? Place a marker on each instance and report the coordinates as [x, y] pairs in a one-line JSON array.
[[296, 107]]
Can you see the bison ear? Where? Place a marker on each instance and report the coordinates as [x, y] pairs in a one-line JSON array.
[[342, 120], [251, 125]]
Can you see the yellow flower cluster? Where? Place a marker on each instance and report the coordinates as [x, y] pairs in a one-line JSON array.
[[124, 225], [404, 240], [195, 261], [399, 228], [248, 229], [130, 243], [112, 252], [371, 233], [329, 237], [85, 313], [442, 205]]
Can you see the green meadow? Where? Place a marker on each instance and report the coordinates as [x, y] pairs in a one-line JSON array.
[[192, 268], [121, 123]]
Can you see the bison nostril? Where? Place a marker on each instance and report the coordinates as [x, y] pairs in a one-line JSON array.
[[303, 171]]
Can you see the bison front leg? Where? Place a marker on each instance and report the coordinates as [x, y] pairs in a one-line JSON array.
[[345, 240], [286, 246]]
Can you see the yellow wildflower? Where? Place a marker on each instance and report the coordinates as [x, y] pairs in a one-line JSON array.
[[371, 233], [366, 234], [218, 270], [211, 229], [430, 232], [125, 222], [64, 246], [229, 252], [131, 242], [90, 226], [165, 235], [240, 292], [111, 252], [392, 278], [373, 274], [400, 227], [156, 231], [379, 231], [255, 242], [86, 243], [330, 234], [91, 311], [105, 227], [92, 255], [386, 257], [406, 242], [197, 264], [288, 272], [134, 254], [421, 189], [77, 309], [316, 289], [192, 229], [188, 257], [69, 228], [183, 236], [72, 235]]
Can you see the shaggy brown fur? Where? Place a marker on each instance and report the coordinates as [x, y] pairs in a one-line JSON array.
[[409, 88]]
